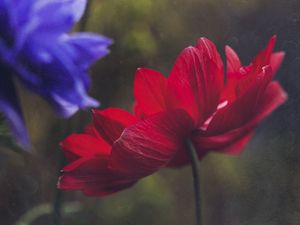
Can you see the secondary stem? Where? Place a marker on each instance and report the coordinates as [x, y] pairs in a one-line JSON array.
[[57, 204], [196, 178]]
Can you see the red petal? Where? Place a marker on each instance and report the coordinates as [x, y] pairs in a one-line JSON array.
[[180, 159], [234, 139], [276, 60], [236, 147], [233, 61], [77, 163], [111, 122], [273, 97], [233, 74], [263, 58], [150, 144], [149, 91], [196, 81], [138, 111], [93, 178], [231, 142], [238, 113], [91, 130], [83, 145], [240, 80], [208, 48]]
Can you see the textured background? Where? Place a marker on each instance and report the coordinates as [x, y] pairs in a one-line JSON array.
[[261, 187]]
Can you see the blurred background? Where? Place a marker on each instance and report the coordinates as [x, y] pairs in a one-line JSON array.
[[260, 187]]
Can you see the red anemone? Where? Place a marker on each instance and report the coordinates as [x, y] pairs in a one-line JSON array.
[[193, 103]]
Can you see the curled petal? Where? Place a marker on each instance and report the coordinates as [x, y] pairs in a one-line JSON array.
[[231, 142], [252, 72], [148, 145], [239, 112], [240, 78], [236, 134], [111, 122]]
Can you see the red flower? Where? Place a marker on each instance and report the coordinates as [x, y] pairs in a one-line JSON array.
[[117, 150], [193, 103], [224, 114]]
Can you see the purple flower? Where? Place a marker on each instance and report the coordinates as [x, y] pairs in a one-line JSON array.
[[36, 49]]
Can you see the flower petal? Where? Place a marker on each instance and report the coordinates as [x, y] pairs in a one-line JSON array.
[[85, 48], [276, 60], [149, 91], [273, 97], [180, 159], [138, 112], [236, 114], [91, 130], [196, 80], [84, 145], [240, 79], [68, 91], [58, 15], [232, 142], [234, 139], [208, 48], [150, 144], [93, 177], [7, 21], [111, 122], [233, 61], [263, 58]]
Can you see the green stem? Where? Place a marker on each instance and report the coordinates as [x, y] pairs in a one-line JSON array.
[[196, 178], [46, 209]]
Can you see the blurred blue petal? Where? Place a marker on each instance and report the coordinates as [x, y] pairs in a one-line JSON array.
[[37, 49], [87, 47], [65, 8]]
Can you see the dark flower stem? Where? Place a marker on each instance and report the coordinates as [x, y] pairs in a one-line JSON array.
[[196, 178]]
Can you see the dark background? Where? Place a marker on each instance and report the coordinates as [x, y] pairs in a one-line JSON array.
[[260, 187]]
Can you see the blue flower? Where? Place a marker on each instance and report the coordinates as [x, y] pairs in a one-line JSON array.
[[36, 49]]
